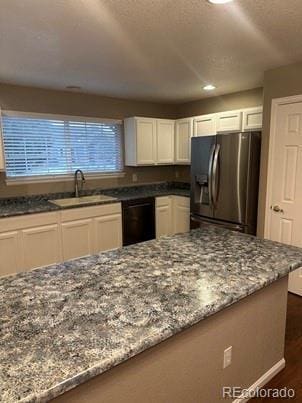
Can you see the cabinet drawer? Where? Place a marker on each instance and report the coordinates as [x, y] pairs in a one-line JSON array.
[[162, 201], [27, 221], [182, 201], [88, 212]]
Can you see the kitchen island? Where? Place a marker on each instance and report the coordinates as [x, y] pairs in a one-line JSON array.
[[65, 324]]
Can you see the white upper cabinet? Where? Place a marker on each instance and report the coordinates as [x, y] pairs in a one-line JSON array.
[[165, 141], [149, 141], [140, 141], [183, 134], [252, 118], [205, 125], [229, 121]]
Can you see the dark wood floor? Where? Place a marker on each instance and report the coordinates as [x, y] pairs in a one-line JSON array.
[[291, 375]]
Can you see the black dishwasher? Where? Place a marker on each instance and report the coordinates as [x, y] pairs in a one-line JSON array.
[[138, 220]]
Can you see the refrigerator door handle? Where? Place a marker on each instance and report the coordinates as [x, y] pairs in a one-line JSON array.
[[215, 173], [210, 174]]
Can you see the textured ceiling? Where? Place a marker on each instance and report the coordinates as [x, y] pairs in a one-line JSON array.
[[163, 50]]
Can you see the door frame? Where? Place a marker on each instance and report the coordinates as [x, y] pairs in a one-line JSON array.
[[276, 102]]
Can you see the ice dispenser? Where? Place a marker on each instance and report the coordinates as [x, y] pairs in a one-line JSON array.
[[202, 189]]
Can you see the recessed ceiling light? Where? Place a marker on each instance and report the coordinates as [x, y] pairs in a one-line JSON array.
[[219, 1], [209, 87]]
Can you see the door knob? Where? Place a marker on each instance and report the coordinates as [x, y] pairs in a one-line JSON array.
[[277, 209]]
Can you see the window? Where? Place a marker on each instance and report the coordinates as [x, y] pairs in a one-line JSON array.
[[47, 145]]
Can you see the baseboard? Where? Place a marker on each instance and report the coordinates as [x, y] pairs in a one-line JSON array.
[[263, 380]]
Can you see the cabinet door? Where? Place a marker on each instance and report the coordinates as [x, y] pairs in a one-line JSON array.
[[10, 253], [41, 246], [165, 141], [77, 238], [108, 232], [181, 214], [205, 125], [183, 134], [229, 121], [252, 119], [145, 141], [163, 216]]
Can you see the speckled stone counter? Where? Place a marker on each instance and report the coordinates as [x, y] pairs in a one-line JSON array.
[[40, 204], [64, 324]]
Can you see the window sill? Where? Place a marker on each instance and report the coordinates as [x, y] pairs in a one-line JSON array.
[[62, 178]]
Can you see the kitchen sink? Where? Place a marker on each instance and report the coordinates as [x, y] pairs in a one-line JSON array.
[[79, 201]]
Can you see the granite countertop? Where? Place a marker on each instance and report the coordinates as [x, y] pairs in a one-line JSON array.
[[64, 324], [40, 204]]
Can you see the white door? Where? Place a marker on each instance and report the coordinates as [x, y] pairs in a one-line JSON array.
[[146, 141], [108, 232], [183, 134], [205, 125], [165, 141], [285, 217]]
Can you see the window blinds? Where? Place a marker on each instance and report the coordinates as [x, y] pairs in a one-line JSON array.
[[40, 145]]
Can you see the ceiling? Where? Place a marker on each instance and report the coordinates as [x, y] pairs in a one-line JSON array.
[[162, 50]]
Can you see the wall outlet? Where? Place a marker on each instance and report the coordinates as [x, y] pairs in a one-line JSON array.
[[134, 177], [176, 174], [227, 357]]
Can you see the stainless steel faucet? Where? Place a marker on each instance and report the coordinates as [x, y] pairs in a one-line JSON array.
[[76, 182]]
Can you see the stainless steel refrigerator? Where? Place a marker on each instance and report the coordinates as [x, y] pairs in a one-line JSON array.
[[225, 179]]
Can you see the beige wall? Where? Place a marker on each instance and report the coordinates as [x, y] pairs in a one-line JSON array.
[[278, 83], [144, 175], [237, 100], [31, 99]]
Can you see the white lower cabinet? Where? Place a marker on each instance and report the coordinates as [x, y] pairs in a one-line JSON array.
[[181, 214], [77, 239], [108, 232], [41, 246], [172, 215], [9, 255], [36, 240], [163, 223], [89, 230]]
